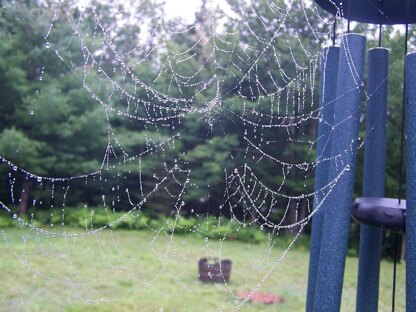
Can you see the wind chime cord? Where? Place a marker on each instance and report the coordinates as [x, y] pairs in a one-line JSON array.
[[379, 35]]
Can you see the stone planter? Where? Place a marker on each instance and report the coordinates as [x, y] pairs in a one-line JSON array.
[[214, 270]]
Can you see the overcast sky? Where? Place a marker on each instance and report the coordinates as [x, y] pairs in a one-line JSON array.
[[174, 8], [183, 8]]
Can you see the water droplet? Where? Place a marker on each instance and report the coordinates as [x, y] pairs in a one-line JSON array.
[[47, 45], [14, 216]]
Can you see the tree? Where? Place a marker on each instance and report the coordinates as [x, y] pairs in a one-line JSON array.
[[48, 122]]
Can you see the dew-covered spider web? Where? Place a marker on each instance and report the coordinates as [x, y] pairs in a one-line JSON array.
[[143, 121]]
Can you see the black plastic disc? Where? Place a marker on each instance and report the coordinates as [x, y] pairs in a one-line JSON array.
[[386, 12], [385, 213]]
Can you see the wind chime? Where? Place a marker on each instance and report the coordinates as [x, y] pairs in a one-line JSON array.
[[342, 70]]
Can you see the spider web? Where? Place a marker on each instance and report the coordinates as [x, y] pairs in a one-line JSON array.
[[247, 72]]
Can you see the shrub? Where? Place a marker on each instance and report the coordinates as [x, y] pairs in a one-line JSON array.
[[219, 232], [42, 216], [5, 221], [251, 234], [210, 227], [157, 224]]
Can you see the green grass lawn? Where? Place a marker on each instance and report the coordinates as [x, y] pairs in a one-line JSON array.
[[143, 271]]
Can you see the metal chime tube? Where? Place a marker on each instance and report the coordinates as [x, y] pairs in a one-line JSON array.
[[410, 81], [373, 182], [335, 231], [328, 84]]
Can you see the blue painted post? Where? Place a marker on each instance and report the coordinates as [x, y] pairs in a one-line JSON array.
[[374, 172], [329, 71], [334, 241], [410, 81]]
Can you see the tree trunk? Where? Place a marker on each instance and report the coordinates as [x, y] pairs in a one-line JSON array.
[[24, 197]]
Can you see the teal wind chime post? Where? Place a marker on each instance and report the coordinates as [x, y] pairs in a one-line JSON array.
[[373, 181], [410, 67], [334, 240], [330, 224], [329, 71]]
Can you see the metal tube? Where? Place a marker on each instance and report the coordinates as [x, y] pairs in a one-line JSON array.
[[373, 182], [342, 170], [329, 71], [410, 85]]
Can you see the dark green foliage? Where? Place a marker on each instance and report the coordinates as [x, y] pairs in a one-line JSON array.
[[5, 220], [103, 218]]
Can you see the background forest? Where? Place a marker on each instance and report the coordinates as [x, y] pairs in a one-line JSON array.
[[50, 126]]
